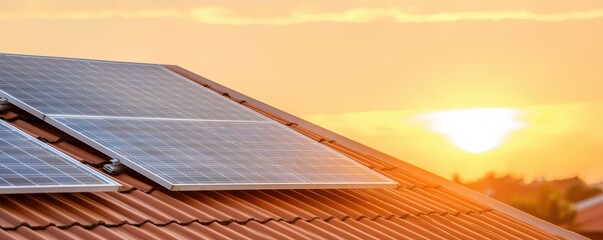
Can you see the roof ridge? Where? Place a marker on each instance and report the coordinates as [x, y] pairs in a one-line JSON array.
[[244, 222]]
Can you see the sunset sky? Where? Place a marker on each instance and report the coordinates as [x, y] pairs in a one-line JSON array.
[[449, 86]]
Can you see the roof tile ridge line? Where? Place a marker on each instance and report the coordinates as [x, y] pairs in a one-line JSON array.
[[455, 187], [239, 222], [327, 219]]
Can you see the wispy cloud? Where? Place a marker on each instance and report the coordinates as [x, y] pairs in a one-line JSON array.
[[217, 15], [362, 15]]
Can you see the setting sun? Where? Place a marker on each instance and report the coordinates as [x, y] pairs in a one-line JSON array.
[[474, 130]]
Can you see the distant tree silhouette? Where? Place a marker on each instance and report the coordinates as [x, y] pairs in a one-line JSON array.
[[579, 192], [550, 200], [550, 205]]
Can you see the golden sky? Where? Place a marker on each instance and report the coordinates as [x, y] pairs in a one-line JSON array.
[[374, 71]]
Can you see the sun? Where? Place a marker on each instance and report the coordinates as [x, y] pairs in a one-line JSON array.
[[475, 130]]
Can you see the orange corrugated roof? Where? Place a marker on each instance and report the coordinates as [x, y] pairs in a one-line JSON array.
[[418, 209], [589, 219]]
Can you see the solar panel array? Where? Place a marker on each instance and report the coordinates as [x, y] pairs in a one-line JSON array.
[[173, 130], [29, 166]]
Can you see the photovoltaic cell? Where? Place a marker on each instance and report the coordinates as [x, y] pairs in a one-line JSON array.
[[100, 88], [29, 166], [173, 130], [203, 155]]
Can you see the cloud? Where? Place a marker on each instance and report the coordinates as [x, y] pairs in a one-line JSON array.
[[224, 16], [363, 15]]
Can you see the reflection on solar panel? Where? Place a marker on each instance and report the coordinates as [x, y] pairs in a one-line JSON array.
[[86, 87], [29, 166], [173, 130], [202, 155]]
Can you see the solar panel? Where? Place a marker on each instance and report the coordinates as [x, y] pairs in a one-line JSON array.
[[173, 130], [206, 155], [45, 86], [30, 166]]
